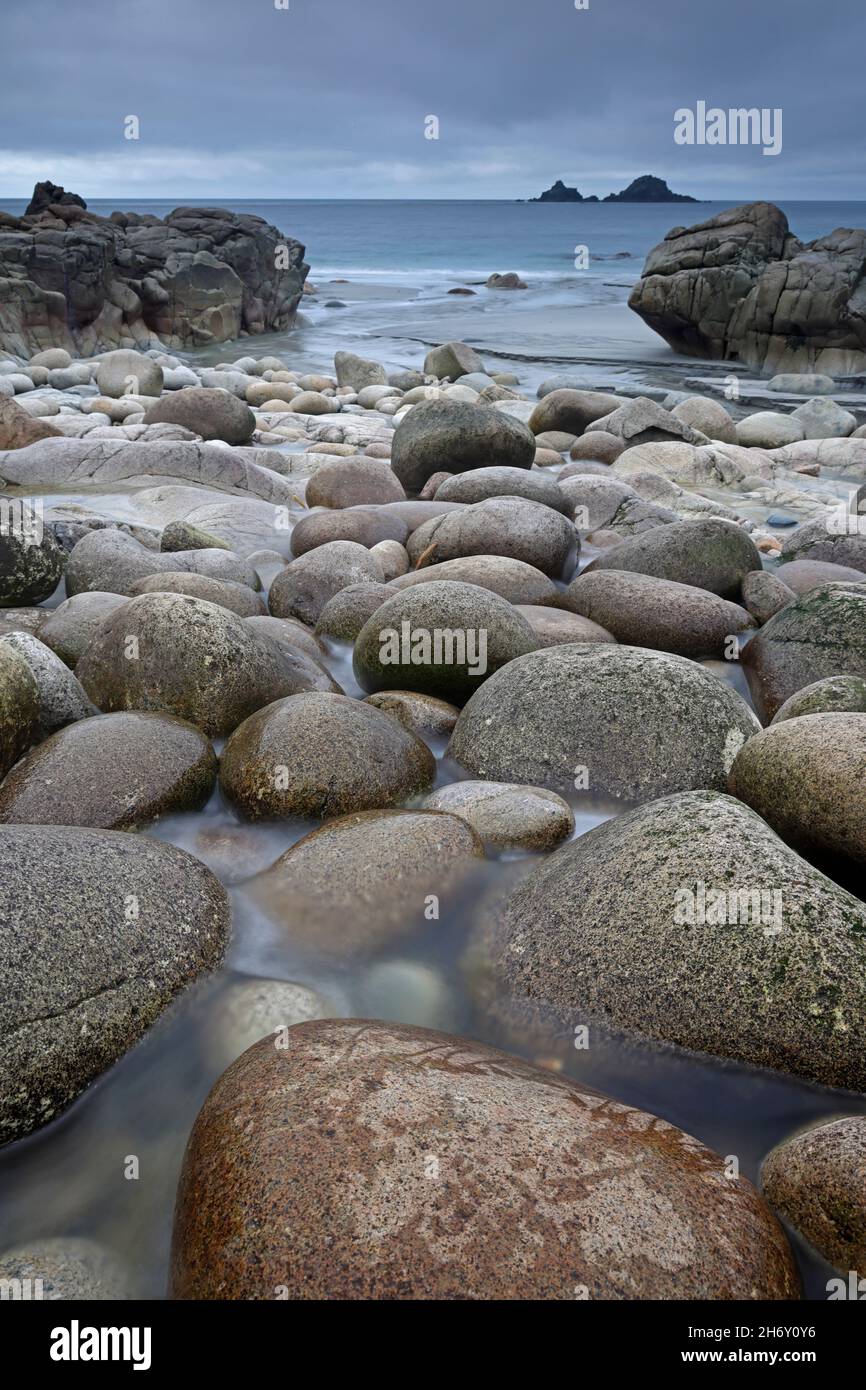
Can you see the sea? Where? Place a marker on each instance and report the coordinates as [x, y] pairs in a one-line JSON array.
[[383, 269]]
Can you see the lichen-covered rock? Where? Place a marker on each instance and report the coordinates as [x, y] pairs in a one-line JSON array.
[[174, 654], [807, 778], [822, 634], [112, 772], [318, 754], [100, 931], [713, 554], [687, 920], [817, 1181], [624, 722], [31, 564], [439, 639]]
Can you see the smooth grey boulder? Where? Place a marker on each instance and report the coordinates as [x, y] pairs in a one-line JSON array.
[[765, 595], [824, 419], [68, 628], [822, 634], [212, 414], [623, 722], [510, 526], [687, 921], [127, 373], [807, 778], [366, 526], [708, 416], [455, 437], [440, 639], [345, 614], [803, 575], [179, 655], [482, 483], [303, 588], [710, 554], [643, 611], [506, 815], [237, 598], [513, 580], [112, 772], [453, 360], [100, 931], [569, 411], [554, 627], [351, 482], [62, 700], [358, 372], [320, 755], [112, 561]]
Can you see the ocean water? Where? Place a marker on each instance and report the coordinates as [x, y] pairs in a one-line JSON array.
[[453, 240], [400, 258]]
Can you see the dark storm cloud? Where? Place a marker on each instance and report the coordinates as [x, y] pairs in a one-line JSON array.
[[327, 98]]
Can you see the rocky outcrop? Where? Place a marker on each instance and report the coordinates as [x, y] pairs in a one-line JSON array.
[[741, 287], [559, 193], [71, 279], [648, 189]]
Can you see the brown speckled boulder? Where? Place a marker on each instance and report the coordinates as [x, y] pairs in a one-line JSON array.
[[114, 771], [817, 1181], [318, 754], [372, 1160]]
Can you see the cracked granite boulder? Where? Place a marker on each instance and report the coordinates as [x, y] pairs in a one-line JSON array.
[[99, 931], [741, 287], [71, 279]]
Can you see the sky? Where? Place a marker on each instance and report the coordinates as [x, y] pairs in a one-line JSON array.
[[331, 98]]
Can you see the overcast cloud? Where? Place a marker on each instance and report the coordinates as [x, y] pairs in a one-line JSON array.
[[328, 98]]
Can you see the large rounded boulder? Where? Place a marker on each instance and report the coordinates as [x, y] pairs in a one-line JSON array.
[[713, 554], [30, 569], [114, 772], [180, 655], [687, 921], [623, 722], [807, 778], [441, 639], [822, 634], [318, 754], [816, 1180], [361, 882], [20, 710], [643, 611], [210, 413], [511, 526], [381, 1161], [100, 931], [455, 436]]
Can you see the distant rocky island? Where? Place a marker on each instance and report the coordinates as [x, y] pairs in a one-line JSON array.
[[645, 189]]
